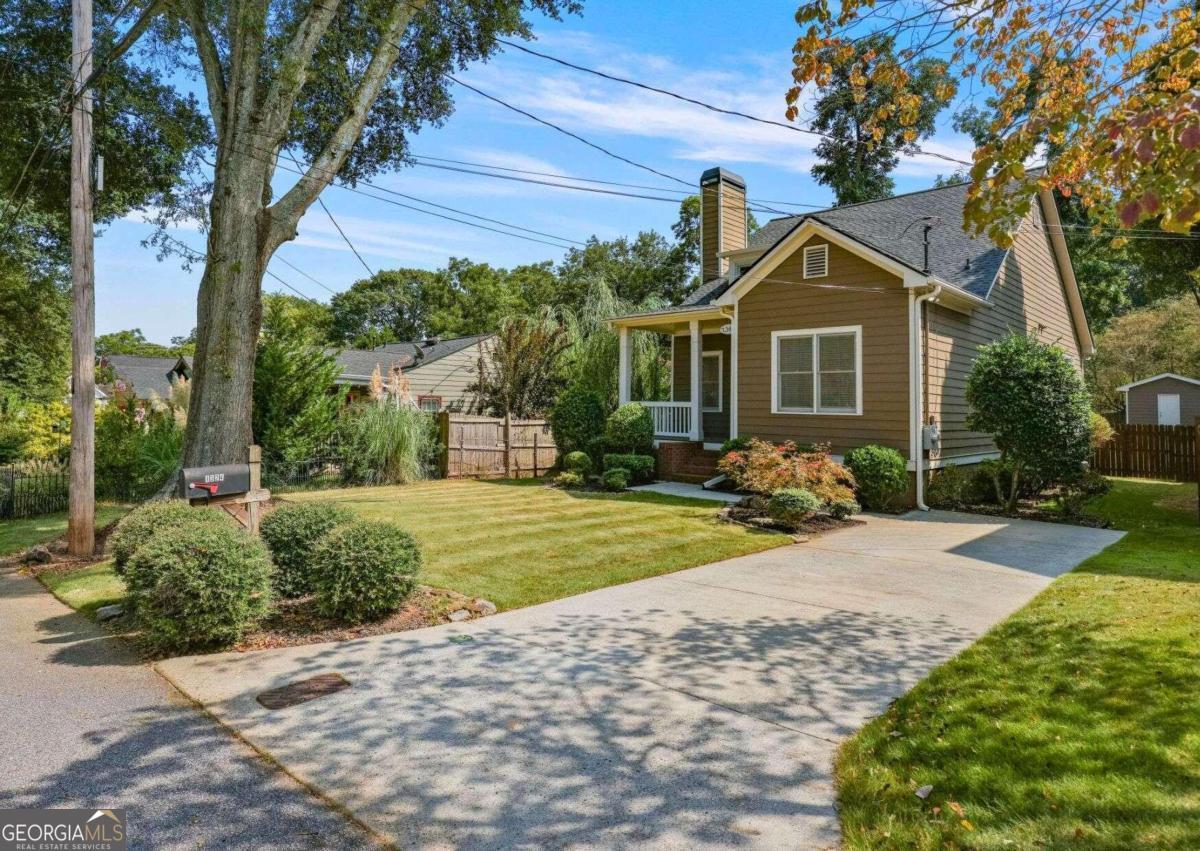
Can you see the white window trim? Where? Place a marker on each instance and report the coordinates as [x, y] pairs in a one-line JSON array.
[[824, 249], [720, 356], [856, 330]]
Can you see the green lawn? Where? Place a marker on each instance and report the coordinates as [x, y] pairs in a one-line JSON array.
[[519, 543], [1073, 724], [87, 589], [16, 535]]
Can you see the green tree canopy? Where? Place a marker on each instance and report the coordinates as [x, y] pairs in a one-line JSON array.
[[859, 153], [133, 342]]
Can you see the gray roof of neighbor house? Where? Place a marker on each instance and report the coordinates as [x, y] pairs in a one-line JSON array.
[[408, 355], [146, 375], [895, 227]]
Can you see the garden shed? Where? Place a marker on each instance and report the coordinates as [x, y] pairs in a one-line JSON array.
[[1165, 399]]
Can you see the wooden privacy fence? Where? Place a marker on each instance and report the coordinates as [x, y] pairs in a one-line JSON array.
[[495, 447], [1149, 452]]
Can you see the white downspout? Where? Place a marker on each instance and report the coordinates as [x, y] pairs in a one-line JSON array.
[[917, 383]]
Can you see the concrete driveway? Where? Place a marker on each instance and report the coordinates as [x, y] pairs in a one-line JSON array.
[[696, 710]]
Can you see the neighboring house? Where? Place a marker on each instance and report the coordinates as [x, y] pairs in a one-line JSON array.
[[851, 325], [1166, 399], [147, 376], [438, 371]]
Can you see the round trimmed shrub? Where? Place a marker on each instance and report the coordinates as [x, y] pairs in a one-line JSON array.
[[793, 505], [291, 532], [616, 479], [145, 522], [364, 570], [577, 419], [881, 473], [951, 488], [578, 462], [570, 479], [844, 509], [198, 585], [630, 429]]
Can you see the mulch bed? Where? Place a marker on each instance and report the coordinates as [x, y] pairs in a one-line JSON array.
[[296, 622], [1026, 511], [753, 516]]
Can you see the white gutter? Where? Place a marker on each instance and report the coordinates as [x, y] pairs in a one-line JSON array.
[[916, 383]]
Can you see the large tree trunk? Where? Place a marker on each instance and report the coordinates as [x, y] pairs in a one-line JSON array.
[[229, 312]]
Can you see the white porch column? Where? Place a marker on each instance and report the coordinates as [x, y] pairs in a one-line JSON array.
[[624, 367], [697, 353]]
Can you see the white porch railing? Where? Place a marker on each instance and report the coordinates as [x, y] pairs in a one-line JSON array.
[[671, 419]]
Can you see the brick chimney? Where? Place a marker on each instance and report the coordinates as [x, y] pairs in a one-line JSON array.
[[722, 219]]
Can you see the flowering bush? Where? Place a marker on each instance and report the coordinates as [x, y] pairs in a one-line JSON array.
[[766, 468]]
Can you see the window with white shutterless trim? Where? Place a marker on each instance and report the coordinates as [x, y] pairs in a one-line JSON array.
[[816, 261], [712, 381], [817, 371]]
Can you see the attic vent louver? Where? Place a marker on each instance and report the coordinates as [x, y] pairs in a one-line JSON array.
[[816, 261]]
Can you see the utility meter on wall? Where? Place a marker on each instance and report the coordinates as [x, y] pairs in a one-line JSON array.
[[931, 438]]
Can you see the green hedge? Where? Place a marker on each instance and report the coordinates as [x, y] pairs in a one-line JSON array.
[[630, 429], [148, 521], [615, 479], [881, 473], [640, 467], [291, 532], [364, 570], [578, 462], [198, 585]]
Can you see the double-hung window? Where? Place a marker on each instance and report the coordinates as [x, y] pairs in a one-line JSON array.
[[817, 371]]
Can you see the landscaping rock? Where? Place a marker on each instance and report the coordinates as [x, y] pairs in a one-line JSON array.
[[39, 554], [107, 613], [459, 615], [483, 607], [59, 547]]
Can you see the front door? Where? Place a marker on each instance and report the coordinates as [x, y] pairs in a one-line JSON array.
[[1168, 409]]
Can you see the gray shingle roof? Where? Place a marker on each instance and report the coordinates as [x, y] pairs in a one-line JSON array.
[[895, 227], [145, 375], [407, 355]]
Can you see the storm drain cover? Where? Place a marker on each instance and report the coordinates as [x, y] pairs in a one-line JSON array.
[[461, 639], [303, 691]]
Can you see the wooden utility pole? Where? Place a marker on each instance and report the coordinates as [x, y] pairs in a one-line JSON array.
[[81, 528]]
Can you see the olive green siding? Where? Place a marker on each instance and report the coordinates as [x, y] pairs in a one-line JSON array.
[[714, 423], [1028, 296], [874, 299]]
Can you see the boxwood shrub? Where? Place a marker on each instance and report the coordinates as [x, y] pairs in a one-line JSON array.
[[364, 570], [615, 479], [145, 522], [291, 532], [881, 474], [578, 462], [793, 505], [630, 429], [577, 419], [198, 585], [640, 467], [570, 479]]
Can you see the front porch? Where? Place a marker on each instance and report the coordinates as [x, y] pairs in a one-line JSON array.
[[702, 393]]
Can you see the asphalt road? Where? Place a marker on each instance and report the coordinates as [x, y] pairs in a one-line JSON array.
[[84, 724]]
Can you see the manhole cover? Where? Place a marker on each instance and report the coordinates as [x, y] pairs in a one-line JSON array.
[[303, 691]]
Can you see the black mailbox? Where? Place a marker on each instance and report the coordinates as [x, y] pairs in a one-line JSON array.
[[220, 480]]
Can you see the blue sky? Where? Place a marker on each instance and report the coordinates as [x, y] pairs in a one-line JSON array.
[[739, 61]]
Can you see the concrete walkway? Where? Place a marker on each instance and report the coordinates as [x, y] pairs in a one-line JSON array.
[[84, 724], [696, 710], [689, 490]]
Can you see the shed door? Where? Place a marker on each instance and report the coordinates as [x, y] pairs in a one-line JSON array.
[[1168, 409]]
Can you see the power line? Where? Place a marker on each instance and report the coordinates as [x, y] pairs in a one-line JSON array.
[[566, 132], [711, 107], [296, 268], [370, 273], [683, 192]]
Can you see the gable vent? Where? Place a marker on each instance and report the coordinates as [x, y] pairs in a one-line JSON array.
[[816, 261]]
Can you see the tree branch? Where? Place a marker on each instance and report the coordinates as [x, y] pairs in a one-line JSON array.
[[210, 62], [247, 23], [293, 71], [286, 212], [122, 47]]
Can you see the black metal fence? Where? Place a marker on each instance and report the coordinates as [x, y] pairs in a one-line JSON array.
[[324, 468], [34, 490]]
